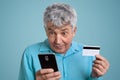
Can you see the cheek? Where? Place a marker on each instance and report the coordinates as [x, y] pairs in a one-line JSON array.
[[68, 40], [51, 41]]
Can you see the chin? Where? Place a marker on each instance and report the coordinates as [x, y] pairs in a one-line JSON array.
[[59, 51]]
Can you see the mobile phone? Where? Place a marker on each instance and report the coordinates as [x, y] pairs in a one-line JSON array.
[[48, 61]]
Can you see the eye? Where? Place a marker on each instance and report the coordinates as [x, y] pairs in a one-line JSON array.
[[64, 33], [51, 32]]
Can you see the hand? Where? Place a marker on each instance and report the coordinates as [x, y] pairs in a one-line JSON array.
[[100, 66], [47, 74]]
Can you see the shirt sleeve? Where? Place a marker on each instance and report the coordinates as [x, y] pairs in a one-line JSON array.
[[95, 78], [26, 71]]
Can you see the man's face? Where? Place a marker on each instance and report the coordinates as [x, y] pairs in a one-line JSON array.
[[60, 38]]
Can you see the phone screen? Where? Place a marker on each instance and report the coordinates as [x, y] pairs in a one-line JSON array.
[[48, 61]]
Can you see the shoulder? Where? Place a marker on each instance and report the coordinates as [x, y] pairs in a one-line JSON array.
[[33, 49], [37, 48], [34, 46]]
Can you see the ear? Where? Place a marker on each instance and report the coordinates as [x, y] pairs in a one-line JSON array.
[[74, 30]]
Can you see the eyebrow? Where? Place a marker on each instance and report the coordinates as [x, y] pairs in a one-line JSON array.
[[65, 29], [49, 29]]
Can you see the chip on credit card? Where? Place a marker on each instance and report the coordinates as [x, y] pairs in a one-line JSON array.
[[91, 50]]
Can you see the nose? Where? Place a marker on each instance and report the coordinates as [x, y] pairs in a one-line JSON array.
[[58, 39]]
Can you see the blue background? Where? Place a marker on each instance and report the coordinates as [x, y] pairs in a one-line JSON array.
[[21, 24]]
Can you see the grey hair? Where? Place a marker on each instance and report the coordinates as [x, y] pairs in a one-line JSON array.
[[60, 14]]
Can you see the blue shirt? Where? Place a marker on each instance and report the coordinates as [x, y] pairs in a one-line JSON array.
[[72, 65]]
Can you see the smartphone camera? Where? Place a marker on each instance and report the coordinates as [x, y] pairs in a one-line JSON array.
[[46, 58]]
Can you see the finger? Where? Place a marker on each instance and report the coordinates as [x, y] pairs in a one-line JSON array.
[[98, 72], [104, 61], [51, 75], [38, 75], [54, 74], [57, 76], [46, 71], [98, 62], [99, 57], [99, 67]]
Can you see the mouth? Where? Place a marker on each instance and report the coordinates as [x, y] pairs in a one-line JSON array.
[[58, 47]]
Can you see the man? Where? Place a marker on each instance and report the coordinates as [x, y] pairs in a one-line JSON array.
[[60, 26]]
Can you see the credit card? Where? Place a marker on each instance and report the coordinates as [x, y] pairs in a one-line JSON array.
[[91, 50]]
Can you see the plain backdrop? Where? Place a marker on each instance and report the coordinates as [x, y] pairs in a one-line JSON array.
[[21, 24]]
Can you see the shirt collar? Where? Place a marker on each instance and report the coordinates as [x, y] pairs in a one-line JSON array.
[[74, 48], [45, 47]]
